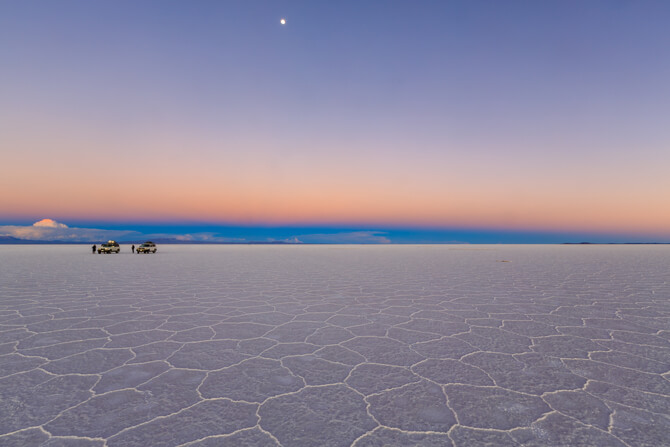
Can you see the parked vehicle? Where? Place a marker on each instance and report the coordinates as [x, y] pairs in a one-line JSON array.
[[147, 247], [109, 247]]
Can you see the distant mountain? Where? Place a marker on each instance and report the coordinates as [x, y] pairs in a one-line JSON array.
[[10, 240], [615, 243], [183, 242]]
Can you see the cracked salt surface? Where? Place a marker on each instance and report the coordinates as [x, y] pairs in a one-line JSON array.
[[335, 346]]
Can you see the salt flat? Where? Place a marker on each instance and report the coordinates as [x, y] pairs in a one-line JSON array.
[[335, 346]]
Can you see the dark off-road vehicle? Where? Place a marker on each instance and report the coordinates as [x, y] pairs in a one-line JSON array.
[[147, 247]]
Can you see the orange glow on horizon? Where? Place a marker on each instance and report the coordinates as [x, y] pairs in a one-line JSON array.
[[201, 200], [249, 187]]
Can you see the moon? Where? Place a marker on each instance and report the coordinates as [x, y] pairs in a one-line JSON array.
[[283, 21]]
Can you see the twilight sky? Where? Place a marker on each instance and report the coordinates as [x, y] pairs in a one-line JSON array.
[[415, 117]]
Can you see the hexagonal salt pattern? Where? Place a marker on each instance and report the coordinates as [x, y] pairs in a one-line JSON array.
[[336, 346]]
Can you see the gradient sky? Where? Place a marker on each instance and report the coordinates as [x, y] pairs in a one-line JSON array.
[[515, 117]]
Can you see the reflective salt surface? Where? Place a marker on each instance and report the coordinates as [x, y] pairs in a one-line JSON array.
[[335, 346]]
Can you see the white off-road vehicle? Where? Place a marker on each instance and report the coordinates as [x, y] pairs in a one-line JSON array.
[[109, 247], [147, 247]]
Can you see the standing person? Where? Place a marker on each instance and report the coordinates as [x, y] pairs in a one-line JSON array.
[[133, 248], [93, 249]]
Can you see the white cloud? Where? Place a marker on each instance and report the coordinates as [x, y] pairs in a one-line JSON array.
[[292, 240], [352, 237], [50, 230], [288, 240], [49, 223]]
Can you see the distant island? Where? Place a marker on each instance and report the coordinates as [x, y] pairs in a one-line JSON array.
[[615, 243]]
